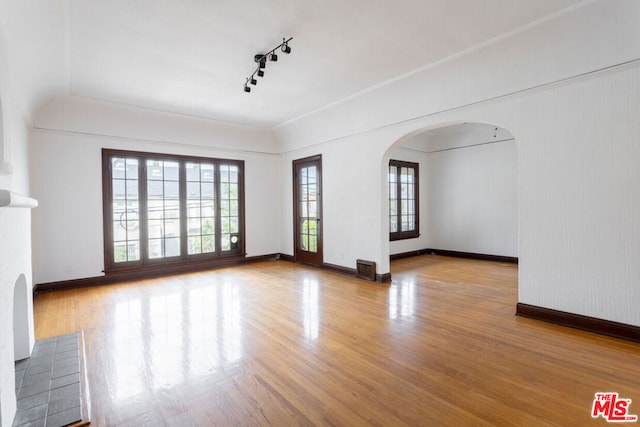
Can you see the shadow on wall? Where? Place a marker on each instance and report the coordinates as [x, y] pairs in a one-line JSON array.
[[21, 340]]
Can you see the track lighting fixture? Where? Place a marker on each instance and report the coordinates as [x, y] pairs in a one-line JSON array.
[[261, 60]]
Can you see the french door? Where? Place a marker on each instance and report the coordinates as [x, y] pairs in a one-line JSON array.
[[307, 206]]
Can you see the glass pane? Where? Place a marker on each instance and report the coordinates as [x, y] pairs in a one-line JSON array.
[[154, 169], [119, 191], [172, 247], [194, 227], [304, 242], [233, 191], [155, 209], [193, 190], [195, 245], [233, 174], [193, 209], [154, 190], [393, 177], [312, 175], [132, 168], [155, 229], [393, 224], [155, 248], [224, 191], [234, 225], [132, 189], [208, 244], [172, 227], [171, 208], [171, 171], [133, 230], [313, 209], [207, 190], [206, 172], [313, 244], [225, 225], [225, 242], [119, 231], [118, 209], [133, 251], [208, 226], [225, 208], [193, 171], [304, 211], [405, 223], [207, 209], [119, 252], [171, 190], [118, 168], [233, 208]]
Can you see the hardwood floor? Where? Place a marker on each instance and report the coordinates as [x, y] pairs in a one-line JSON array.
[[276, 343]]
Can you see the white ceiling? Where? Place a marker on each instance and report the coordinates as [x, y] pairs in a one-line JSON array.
[[457, 136], [193, 56]]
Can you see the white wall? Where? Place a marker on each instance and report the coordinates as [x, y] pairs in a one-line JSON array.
[[67, 176], [577, 134], [472, 203], [15, 236]]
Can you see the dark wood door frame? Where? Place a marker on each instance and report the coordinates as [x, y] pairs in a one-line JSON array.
[[301, 255]]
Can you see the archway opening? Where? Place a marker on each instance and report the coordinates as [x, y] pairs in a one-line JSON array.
[[467, 190]]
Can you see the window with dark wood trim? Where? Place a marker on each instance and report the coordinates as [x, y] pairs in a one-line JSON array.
[[162, 209], [403, 200]]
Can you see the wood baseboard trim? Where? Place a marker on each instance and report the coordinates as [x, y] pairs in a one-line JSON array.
[[409, 254], [286, 257], [578, 321], [126, 276], [456, 254], [380, 278]]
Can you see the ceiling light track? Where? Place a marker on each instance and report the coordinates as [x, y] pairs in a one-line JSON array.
[[261, 60]]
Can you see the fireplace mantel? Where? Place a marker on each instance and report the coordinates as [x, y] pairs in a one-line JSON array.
[[10, 199]]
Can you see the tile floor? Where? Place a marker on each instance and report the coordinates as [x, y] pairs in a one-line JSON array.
[[48, 384]]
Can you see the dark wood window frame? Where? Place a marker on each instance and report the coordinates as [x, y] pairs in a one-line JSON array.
[[397, 202], [145, 266]]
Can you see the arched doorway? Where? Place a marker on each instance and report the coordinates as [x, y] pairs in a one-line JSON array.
[[467, 199]]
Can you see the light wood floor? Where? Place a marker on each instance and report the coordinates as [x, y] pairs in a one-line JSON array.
[[276, 343]]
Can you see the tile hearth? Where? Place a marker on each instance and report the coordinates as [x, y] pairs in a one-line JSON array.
[[48, 384]]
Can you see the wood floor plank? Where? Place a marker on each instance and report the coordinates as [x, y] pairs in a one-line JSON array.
[[276, 343]]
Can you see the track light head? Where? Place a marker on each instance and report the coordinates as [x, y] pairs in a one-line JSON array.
[[261, 60]]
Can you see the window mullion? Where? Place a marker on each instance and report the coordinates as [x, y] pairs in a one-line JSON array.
[[144, 227], [399, 199], [182, 192], [217, 192]]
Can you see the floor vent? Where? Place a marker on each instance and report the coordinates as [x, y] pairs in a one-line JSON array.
[[366, 269]]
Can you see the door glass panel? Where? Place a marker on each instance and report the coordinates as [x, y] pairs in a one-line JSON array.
[[163, 207], [308, 208], [125, 205]]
